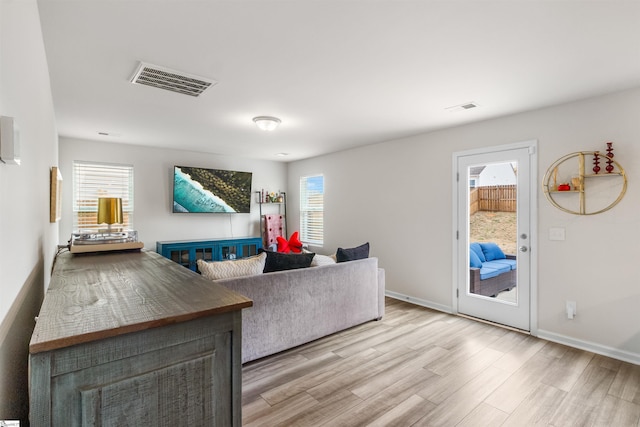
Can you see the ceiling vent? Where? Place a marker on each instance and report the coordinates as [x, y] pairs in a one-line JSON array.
[[462, 107], [175, 81]]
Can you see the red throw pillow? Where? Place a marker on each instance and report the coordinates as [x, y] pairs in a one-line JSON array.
[[283, 245], [293, 245]]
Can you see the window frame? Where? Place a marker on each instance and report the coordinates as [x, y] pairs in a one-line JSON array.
[[312, 229], [98, 179]]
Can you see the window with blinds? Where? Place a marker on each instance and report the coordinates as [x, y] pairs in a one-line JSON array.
[[312, 209], [94, 180]]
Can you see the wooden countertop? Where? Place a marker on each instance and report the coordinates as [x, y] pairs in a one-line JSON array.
[[96, 296]]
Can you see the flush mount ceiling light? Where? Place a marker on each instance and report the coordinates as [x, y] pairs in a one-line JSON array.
[[266, 122]]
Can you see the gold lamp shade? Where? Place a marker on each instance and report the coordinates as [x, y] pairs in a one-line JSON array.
[[110, 210]]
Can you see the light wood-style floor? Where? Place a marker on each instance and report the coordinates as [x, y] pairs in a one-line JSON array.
[[419, 367]]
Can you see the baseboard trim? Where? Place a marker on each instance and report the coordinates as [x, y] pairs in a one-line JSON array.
[[603, 350], [418, 301]]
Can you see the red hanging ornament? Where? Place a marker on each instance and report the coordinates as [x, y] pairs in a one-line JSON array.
[[596, 162], [609, 167]]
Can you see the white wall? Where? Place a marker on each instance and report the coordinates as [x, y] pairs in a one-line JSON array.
[[27, 239], [397, 195], [153, 186]]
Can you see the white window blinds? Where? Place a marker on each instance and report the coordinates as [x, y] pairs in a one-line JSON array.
[[93, 180], [312, 209]]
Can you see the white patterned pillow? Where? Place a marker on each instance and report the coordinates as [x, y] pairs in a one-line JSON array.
[[322, 260], [237, 268]]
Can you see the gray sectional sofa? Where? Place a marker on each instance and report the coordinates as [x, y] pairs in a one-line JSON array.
[[294, 307]]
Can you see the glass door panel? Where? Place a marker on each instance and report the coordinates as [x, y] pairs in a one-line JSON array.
[[181, 257], [229, 252], [249, 250]]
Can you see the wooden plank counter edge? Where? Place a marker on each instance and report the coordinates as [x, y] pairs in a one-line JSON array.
[[151, 291]]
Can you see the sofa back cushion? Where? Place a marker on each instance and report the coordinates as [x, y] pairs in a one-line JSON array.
[[476, 249], [474, 260], [492, 251]]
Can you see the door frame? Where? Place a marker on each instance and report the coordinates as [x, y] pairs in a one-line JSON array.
[[532, 146]]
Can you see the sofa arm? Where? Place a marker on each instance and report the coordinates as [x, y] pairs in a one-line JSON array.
[[474, 280], [381, 292]]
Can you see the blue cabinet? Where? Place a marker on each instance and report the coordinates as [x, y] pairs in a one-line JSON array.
[[187, 252]]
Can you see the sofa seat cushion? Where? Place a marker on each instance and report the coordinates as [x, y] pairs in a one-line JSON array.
[[498, 265], [492, 269], [510, 262], [488, 273]]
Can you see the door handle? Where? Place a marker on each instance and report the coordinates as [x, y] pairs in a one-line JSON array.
[[523, 249]]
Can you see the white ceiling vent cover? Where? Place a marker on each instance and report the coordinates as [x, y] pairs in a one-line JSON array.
[[462, 107], [175, 81]]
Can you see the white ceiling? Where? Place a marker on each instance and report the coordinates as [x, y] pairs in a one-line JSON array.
[[339, 74]]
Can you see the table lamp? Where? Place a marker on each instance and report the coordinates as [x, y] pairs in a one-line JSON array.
[[110, 211]]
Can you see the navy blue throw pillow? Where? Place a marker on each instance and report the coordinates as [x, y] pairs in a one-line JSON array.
[[352, 254], [277, 261]]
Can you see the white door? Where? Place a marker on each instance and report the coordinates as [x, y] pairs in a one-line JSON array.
[[503, 293]]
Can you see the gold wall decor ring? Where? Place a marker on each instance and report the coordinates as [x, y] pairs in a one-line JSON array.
[[556, 195]]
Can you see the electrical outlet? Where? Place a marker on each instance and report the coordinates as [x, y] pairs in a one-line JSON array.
[[571, 309]]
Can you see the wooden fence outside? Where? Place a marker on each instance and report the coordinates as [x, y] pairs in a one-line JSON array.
[[495, 198]]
